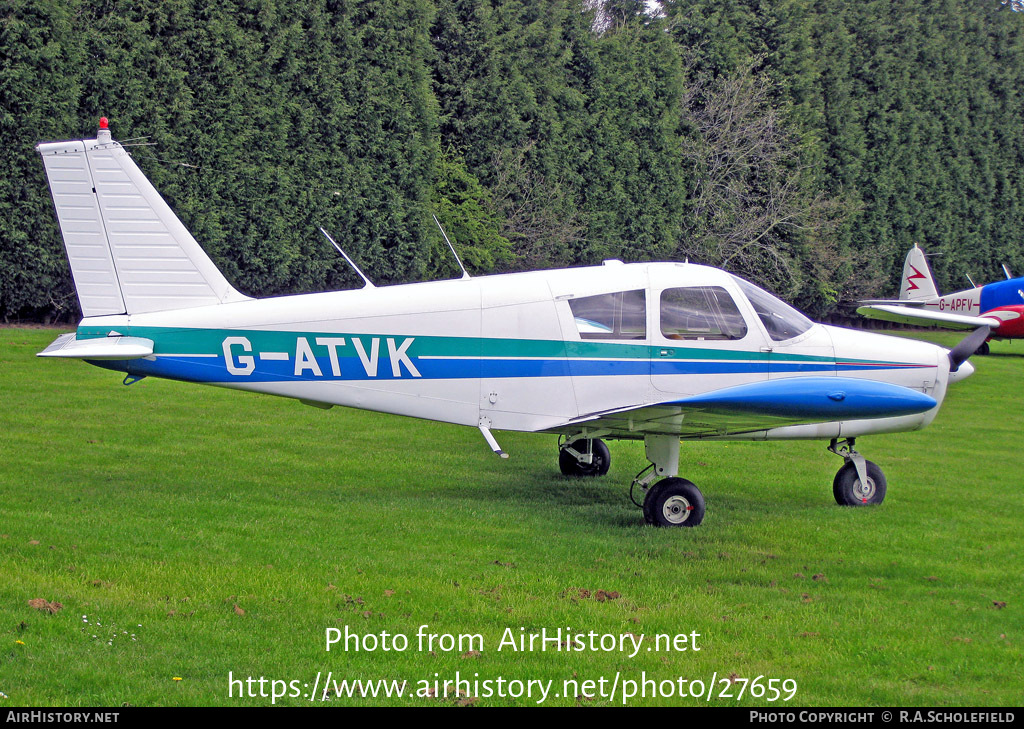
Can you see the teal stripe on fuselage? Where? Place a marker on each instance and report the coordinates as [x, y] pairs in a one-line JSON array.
[[202, 355], [209, 341]]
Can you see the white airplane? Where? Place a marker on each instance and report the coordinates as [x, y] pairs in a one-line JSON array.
[[999, 305], [647, 351]]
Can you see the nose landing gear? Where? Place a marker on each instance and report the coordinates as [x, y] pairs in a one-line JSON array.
[[859, 482]]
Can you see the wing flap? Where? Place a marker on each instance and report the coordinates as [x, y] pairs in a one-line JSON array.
[[67, 346]]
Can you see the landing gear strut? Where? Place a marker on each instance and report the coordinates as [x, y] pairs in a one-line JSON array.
[[859, 482], [584, 458], [673, 501]]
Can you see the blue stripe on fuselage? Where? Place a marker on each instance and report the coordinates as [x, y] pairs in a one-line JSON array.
[[213, 369]]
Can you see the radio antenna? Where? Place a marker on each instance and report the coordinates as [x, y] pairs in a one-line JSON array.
[[465, 273], [369, 284]]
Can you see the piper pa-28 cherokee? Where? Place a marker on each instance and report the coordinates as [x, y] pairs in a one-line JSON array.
[[999, 305], [651, 351]]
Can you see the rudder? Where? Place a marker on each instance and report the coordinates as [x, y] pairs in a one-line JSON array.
[[129, 252], [917, 277]]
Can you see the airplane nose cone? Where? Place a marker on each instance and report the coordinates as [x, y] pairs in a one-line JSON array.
[[965, 371]]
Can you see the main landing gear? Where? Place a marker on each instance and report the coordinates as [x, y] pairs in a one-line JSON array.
[[584, 457], [671, 502], [859, 482]]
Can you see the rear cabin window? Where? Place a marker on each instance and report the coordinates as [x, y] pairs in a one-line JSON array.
[[700, 312], [621, 315]]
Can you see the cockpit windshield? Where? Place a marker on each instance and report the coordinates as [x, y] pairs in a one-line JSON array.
[[780, 319]]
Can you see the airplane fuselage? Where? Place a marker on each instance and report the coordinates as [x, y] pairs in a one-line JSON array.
[[1002, 300], [509, 350]]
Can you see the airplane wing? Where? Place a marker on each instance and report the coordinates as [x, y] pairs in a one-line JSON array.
[[759, 406], [894, 302], [927, 317]]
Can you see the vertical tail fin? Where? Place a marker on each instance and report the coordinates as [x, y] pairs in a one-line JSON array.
[[917, 277], [128, 251]]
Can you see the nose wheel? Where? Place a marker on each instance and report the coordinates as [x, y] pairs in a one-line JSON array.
[[849, 490], [859, 482]]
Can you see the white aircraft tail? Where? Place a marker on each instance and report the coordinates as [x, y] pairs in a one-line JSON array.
[[128, 251], [917, 277]]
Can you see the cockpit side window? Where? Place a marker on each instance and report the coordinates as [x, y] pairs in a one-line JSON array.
[[780, 319], [620, 315], [700, 312]]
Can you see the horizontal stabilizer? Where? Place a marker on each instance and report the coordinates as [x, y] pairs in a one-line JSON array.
[[926, 317], [69, 347], [827, 398]]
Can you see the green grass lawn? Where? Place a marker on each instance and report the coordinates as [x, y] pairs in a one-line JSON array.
[[158, 509]]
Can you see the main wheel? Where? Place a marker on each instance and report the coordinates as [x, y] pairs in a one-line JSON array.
[[849, 491], [674, 502], [982, 350], [598, 466]]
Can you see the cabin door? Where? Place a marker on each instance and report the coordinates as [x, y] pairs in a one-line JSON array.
[[702, 340]]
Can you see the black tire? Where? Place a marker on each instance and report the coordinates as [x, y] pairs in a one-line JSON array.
[[846, 486], [983, 349], [599, 466], [674, 502]]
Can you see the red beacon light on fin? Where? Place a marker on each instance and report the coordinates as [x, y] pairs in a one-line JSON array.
[[103, 135]]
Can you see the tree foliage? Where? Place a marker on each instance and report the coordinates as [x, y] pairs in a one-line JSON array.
[[805, 144], [750, 207]]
